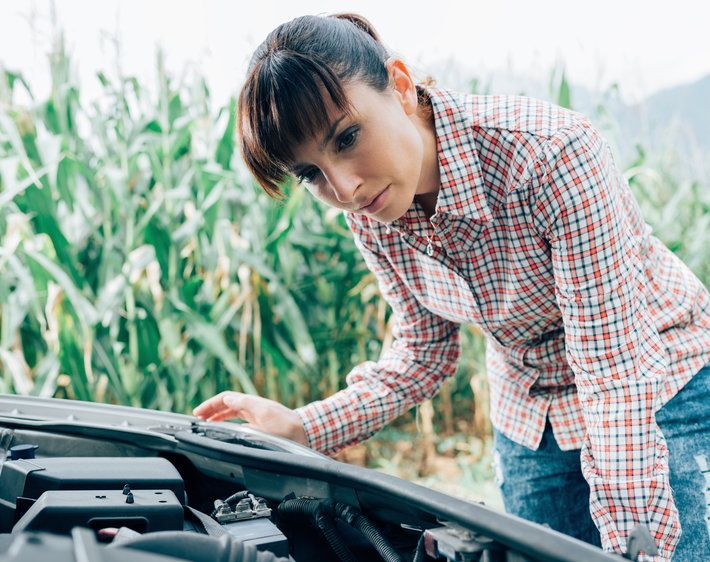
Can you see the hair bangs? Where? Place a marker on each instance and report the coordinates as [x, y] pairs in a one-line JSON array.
[[280, 108]]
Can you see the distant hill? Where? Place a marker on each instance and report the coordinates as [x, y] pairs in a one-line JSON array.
[[688, 104], [673, 121]]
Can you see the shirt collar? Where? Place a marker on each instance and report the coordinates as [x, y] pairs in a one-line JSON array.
[[462, 189]]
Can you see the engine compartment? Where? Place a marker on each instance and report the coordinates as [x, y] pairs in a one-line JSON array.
[[147, 504], [111, 482]]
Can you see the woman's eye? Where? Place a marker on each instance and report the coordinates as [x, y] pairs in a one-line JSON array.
[[348, 139], [308, 176]]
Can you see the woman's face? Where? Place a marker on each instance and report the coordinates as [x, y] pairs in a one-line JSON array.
[[373, 163]]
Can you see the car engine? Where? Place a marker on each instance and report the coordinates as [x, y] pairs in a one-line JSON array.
[[141, 504]]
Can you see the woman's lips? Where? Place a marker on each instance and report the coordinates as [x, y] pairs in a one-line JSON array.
[[377, 203]]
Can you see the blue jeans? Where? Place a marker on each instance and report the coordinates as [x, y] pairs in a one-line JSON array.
[[546, 485]]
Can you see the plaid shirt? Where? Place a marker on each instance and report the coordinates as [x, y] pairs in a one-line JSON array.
[[589, 319]]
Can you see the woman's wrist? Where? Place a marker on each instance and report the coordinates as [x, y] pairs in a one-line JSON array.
[[298, 431]]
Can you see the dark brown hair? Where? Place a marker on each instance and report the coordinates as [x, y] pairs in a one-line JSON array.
[[282, 103]]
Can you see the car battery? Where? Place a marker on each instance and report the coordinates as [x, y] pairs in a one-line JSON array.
[[247, 518], [261, 533]]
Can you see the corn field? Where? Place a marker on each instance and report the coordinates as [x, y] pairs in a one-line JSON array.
[[140, 265]]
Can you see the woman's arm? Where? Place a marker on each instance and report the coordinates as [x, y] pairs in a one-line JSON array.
[[424, 352], [586, 211]]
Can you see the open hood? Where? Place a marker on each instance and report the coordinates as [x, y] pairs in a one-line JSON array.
[[105, 479]]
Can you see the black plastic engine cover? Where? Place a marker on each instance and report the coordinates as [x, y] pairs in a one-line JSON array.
[[29, 479], [60, 510]]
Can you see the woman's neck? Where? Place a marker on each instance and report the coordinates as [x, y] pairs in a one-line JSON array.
[[428, 203], [430, 182]]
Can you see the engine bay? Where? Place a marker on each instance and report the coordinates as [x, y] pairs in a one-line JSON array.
[[145, 504], [85, 482]]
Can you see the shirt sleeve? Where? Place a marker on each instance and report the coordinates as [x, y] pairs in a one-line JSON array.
[[424, 352], [587, 213]]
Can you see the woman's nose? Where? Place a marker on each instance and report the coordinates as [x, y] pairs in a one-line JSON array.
[[344, 182]]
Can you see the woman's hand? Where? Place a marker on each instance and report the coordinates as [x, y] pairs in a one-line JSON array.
[[260, 413]]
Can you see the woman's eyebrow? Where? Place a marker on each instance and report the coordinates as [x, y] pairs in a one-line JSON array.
[[331, 132], [296, 168]]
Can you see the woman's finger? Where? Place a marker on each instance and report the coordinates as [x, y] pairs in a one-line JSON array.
[[239, 408], [221, 413], [211, 405], [208, 407], [221, 416]]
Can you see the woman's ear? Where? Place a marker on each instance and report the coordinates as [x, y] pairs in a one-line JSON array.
[[402, 84]]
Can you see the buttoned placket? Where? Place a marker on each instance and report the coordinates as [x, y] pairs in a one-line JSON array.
[[437, 222], [410, 237]]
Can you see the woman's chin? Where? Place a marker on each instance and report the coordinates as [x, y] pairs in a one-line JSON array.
[[392, 207], [387, 216], [393, 211]]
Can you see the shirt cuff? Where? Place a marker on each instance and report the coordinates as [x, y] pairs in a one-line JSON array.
[[330, 424], [618, 506]]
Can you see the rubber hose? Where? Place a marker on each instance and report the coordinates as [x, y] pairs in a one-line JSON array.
[[297, 506], [326, 525], [322, 517], [353, 517]]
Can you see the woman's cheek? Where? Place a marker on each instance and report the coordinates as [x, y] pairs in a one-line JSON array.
[[323, 195]]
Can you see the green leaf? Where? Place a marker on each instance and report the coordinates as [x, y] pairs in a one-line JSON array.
[[213, 341], [84, 309], [563, 94], [175, 108], [225, 148], [153, 126], [15, 77]]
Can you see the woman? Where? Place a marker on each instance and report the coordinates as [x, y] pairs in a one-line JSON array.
[[508, 212]]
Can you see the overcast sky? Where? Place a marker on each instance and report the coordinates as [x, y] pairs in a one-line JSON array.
[[644, 46]]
